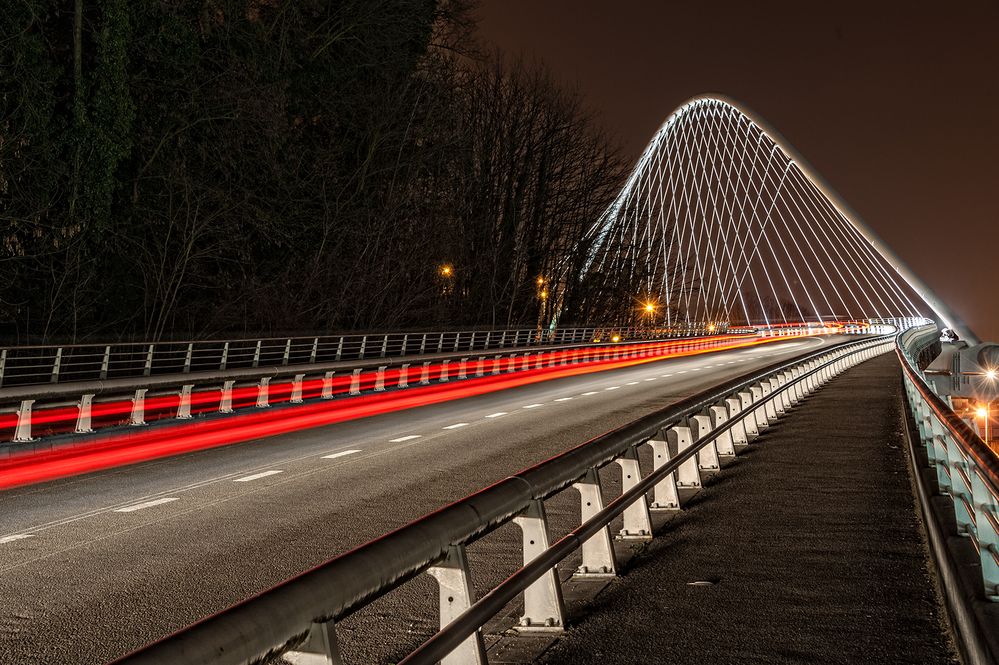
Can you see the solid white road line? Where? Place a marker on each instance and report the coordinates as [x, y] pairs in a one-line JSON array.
[[342, 453], [147, 504], [262, 474], [497, 414], [563, 399], [406, 438], [20, 536], [455, 426], [592, 392], [533, 406]]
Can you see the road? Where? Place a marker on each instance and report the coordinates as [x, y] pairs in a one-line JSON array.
[[94, 566]]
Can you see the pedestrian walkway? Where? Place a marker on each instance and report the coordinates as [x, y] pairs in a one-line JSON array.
[[805, 549]]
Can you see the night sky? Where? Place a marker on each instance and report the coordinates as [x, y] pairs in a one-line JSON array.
[[896, 105]]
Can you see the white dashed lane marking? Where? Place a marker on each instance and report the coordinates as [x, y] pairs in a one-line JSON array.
[[533, 406], [455, 426], [342, 453], [147, 504], [256, 476], [497, 414], [405, 438], [20, 536], [563, 399], [592, 392], [651, 378], [632, 383], [612, 388]]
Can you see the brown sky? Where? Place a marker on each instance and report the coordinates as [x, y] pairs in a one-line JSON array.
[[895, 103]]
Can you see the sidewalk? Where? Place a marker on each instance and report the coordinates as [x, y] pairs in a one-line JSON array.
[[806, 549]]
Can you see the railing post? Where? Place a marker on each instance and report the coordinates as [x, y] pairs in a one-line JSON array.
[[225, 357], [738, 430], [256, 354], [425, 374], [497, 361], [138, 416], [404, 376], [83, 418], [315, 350], [355, 382], [296, 389], [544, 608], [707, 455], [263, 392], [3, 364], [455, 593], [719, 416], [462, 365], [423, 344], [597, 551], [481, 367], [188, 357], [405, 345], [225, 403], [440, 343], [664, 494], [689, 473], [320, 647], [380, 379], [443, 377], [184, 401], [637, 523], [384, 345], [364, 345], [105, 362], [327, 392], [22, 433], [56, 364], [339, 349], [457, 341], [287, 352]]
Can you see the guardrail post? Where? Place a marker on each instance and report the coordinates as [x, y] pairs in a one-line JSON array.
[[778, 402], [597, 551], [320, 647], [105, 362], [544, 608], [384, 345], [339, 349], [405, 345], [738, 431], [380, 379], [355, 382], [443, 376], [497, 361], [637, 523], [759, 419], [707, 455], [502, 343], [425, 375], [423, 344], [56, 364], [471, 342], [512, 365], [526, 364], [22, 433], [187, 358], [719, 416], [184, 401], [664, 494], [315, 350], [455, 592], [404, 376], [225, 403], [83, 419], [481, 367], [3, 364], [328, 385], [138, 416], [457, 341], [689, 474], [539, 360], [263, 392], [364, 346], [440, 343], [287, 352], [462, 365], [296, 389], [256, 354], [225, 356]]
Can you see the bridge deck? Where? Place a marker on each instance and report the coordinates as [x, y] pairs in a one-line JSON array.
[[810, 540]]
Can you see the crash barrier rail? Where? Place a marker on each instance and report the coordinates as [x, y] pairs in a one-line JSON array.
[[966, 469], [297, 618], [139, 401]]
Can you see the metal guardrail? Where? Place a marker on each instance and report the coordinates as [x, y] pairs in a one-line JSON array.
[[299, 615], [966, 468]]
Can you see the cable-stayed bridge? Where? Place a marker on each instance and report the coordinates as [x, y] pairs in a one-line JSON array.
[[764, 372]]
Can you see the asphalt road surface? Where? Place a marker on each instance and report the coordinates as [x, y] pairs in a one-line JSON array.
[[94, 566]]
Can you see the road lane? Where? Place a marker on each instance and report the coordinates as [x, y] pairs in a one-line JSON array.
[[84, 582]]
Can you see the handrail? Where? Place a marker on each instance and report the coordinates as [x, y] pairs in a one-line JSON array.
[[299, 613]]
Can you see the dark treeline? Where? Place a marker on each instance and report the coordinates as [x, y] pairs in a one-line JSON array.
[[209, 167]]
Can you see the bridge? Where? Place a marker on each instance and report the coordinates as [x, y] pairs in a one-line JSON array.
[[771, 396]]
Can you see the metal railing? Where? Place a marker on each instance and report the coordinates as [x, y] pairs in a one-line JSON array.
[[686, 439], [966, 469]]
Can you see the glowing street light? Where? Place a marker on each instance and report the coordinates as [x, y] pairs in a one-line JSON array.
[[446, 270], [650, 308], [991, 375]]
